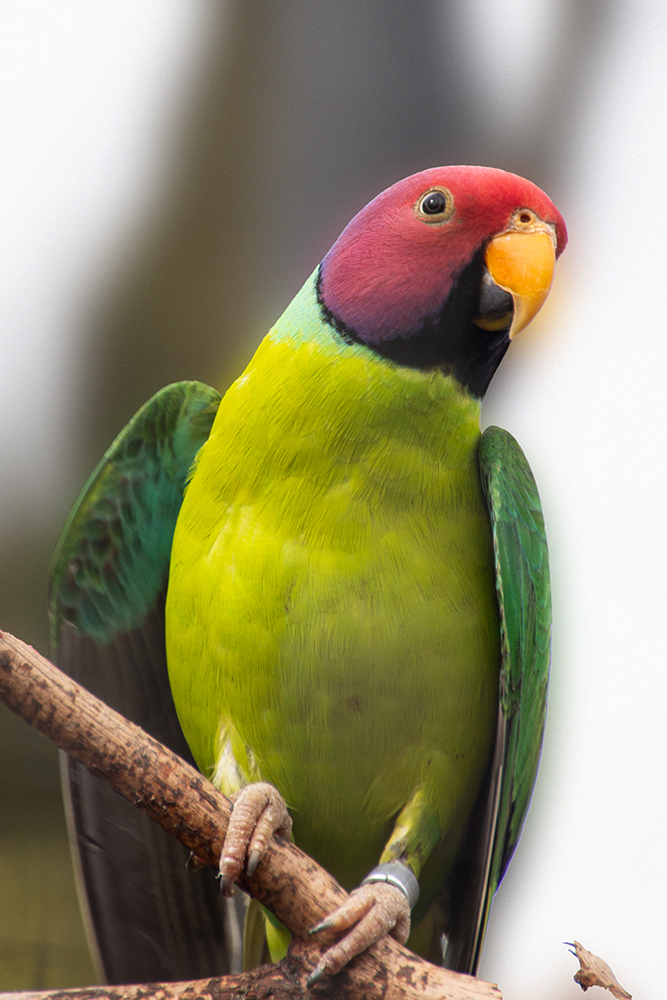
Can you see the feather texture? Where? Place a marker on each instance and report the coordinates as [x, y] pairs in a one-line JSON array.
[[358, 605], [149, 919], [524, 599], [335, 541]]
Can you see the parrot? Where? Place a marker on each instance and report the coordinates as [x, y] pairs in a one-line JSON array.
[[330, 590]]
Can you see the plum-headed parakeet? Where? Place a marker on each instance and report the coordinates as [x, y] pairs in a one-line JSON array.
[[358, 603]]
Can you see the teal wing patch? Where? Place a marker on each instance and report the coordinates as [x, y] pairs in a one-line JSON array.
[[524, 598], [152, 920]]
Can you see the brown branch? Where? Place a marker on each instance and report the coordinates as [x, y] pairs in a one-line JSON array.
[[185, 804]]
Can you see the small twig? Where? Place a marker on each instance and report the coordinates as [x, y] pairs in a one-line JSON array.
[[287, 881], [594, 971]]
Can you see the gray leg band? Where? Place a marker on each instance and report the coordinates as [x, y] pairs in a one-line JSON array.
[[398, 875]]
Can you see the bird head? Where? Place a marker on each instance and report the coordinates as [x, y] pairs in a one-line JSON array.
[[443, 269]]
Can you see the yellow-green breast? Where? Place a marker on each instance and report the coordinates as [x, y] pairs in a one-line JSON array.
[[331, 617]]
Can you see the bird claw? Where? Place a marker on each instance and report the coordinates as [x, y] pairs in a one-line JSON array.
[[195, 863], [258, 812], [371, 911], [368, 914], [317, 973], [324, 926], [254, 858], [227, 886]]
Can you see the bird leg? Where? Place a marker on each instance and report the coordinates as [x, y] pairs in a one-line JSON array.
[[258, 811], [381, 905]]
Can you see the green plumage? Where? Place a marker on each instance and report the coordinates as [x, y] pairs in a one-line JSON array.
[[112, 556], [524, 599], [358, 607], [524, 593], [151, 919], [345, 553], [345, 574]]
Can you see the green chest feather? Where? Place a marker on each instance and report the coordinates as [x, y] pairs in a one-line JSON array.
[[331, 619]]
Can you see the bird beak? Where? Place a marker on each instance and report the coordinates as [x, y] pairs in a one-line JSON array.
[[522, 263]]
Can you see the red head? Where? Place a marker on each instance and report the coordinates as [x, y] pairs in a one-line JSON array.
[[421, 262]]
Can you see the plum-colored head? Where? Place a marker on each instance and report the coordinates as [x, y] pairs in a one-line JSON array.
[[442, 268]]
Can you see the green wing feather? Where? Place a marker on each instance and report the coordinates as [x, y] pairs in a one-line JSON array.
[[524, 594], [113, 554], [524, 598], [151, 919]]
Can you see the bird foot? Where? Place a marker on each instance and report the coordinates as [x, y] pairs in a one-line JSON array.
[[372, 911], [258, 812]]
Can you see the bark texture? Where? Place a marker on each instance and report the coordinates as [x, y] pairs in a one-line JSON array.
[[184, 803]]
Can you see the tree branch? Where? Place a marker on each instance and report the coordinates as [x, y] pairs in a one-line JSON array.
[[184, 803]]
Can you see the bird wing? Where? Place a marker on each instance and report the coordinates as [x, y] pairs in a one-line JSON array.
[[524, 598], [150, 919]]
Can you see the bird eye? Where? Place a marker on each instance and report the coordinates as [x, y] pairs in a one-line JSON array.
[[434, 206], [434, 203]]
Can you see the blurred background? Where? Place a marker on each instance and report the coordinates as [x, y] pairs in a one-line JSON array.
[[171, 173]]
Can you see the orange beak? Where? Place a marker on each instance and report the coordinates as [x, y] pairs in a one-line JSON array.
[[523, 264]]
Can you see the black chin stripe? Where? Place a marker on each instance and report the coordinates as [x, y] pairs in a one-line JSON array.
[[449, 340]]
